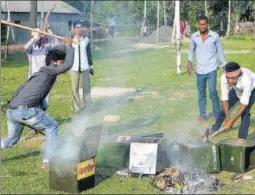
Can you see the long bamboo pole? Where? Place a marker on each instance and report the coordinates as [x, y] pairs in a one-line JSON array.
[[32, 29]]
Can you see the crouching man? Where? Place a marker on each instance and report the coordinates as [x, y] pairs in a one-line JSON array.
[[24, 108], [242, 81]]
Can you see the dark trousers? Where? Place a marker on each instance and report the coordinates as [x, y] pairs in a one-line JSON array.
[[245, 117]]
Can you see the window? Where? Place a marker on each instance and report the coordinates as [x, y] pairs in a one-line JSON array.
[[70, 25], [17, 22]]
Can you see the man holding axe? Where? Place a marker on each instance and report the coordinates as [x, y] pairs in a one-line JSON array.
[[242, 81], [24, 107]]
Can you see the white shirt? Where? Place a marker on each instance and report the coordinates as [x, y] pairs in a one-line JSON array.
[[112, 22], [243, 88], [80, 59]]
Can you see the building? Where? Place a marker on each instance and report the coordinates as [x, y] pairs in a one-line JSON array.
[[60, 19]]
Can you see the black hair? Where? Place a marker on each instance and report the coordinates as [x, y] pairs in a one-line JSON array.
[[202, 17], [76, 22], [231, 66], [54, 55], [85, 23]]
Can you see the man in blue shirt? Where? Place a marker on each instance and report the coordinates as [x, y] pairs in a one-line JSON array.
[[206, 45]]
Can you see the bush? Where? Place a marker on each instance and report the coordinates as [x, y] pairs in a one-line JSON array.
[[241, 37]]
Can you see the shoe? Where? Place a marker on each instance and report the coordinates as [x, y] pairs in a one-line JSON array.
[[201, 119]]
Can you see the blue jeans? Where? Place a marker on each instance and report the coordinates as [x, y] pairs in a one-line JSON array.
[[245, 117], [201, 85], [34, 118]]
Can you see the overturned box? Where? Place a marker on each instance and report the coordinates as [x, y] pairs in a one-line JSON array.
[[148, 154], [235, 157], [195, 153], [72, 169]]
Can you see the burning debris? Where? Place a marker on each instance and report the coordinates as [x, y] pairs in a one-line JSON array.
[[173, 180]]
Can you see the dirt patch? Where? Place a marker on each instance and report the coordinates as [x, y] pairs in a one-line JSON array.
[[112, 118], [13, 48], [177, 96], [148, 46]]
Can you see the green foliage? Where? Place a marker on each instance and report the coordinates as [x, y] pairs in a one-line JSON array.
[[241, 37]]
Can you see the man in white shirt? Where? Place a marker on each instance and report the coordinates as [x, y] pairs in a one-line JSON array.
[[242, 81], [112, 24], [82, 67]]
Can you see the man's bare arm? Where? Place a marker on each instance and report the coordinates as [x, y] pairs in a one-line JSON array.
[[226, 109], [239, 112]]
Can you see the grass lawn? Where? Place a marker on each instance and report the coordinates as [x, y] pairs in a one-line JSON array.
[[168, 104]]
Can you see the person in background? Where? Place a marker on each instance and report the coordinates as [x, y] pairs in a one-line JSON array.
[[82, 67], [37, 48], [112, 24], [206, 45]]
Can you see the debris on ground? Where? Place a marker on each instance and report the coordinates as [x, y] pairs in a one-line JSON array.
[[123, 172], [173, 180], [111, 118]]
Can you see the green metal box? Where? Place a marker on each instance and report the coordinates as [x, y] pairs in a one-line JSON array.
[[196, 153], [73, 167], [238, 158]]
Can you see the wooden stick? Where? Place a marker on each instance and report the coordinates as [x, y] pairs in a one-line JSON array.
[[217, 132], [31, 29]]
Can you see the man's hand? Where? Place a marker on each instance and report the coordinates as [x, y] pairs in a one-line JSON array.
[[91, 71], [33, 33], [229, 124], [68, 40], [189, 67], [46, 27]]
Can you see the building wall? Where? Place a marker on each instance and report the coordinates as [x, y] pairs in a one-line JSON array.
[[59, 24]]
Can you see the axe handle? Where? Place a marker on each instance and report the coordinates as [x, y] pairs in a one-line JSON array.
[[217, 132], [31, 29]]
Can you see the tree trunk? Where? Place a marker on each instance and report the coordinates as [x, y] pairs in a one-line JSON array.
[[236, 24], [91, 23], [174, 28], [165, 17], [7, 34], [33, 14], [206, 11], [42, 15], [229, 18], [178, 36], [144, 17], [157, 21]]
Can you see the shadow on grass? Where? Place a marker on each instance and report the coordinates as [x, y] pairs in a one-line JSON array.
[[19, 157]]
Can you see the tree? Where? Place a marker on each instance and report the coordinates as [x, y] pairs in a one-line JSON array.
[[229, 17], [33, 14], [91, 22]]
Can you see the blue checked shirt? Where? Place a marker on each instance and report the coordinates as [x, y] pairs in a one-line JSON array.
[[206, 52]]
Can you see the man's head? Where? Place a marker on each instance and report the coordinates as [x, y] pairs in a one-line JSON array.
[[85, 28], [232, 72], [56, 55], [78, 28], [202, 24]]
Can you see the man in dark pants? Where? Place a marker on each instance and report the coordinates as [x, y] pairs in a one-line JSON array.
[[242, 81], [24, 108]]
